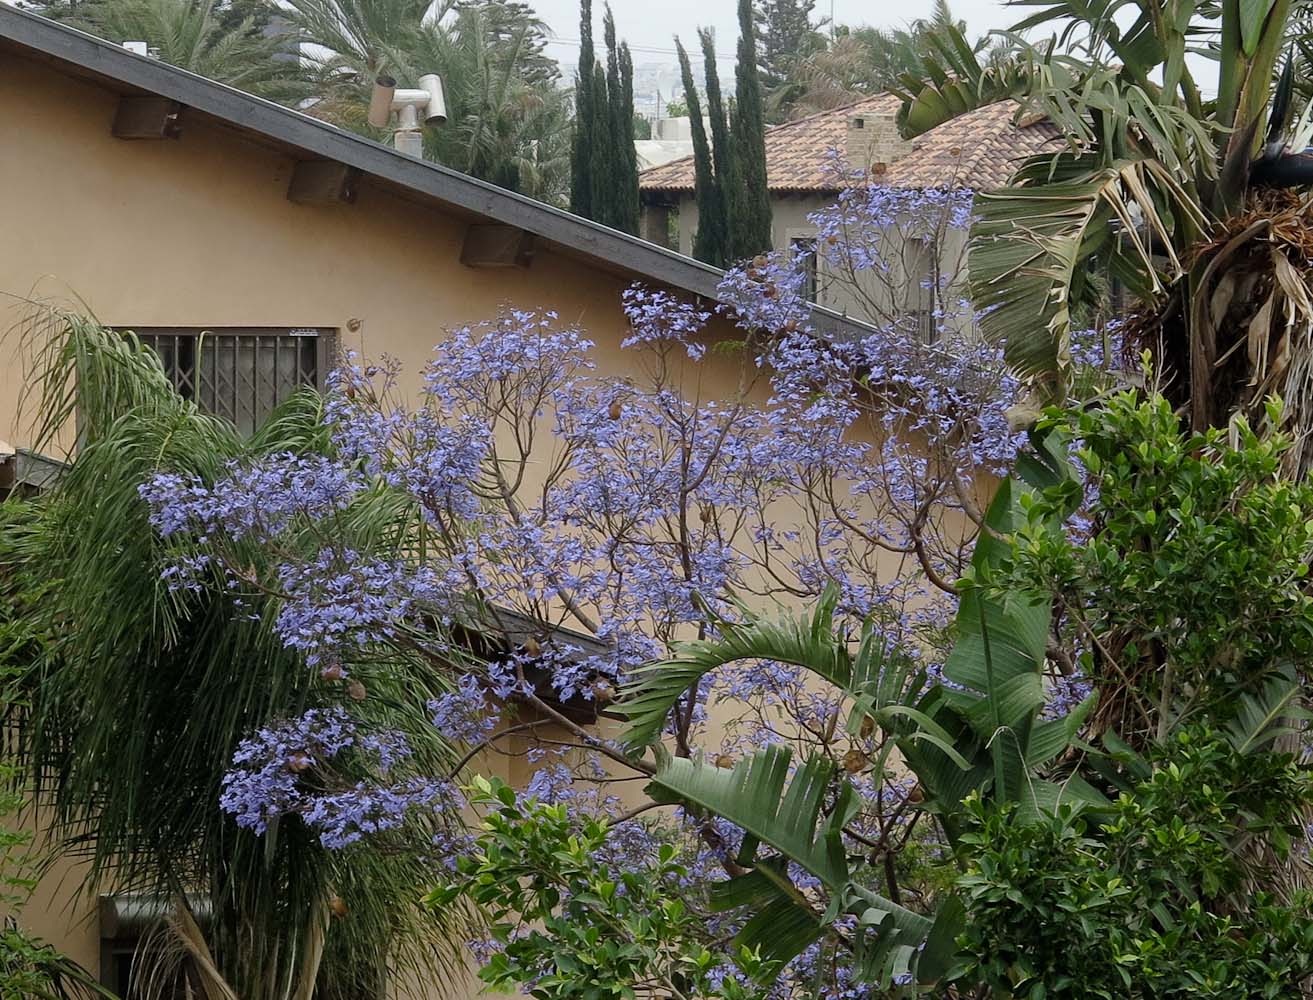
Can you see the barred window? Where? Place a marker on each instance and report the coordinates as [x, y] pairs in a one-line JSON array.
[[805, 257], [921, 260], [241, 373]]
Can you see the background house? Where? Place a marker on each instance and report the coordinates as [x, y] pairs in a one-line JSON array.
[[976, 151], [672, 139]]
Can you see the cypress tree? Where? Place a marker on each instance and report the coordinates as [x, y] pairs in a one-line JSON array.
[[604, 171], [599, 152], [722, 149], [750, 211], [619, 208], [610, 216], [709, 242], [581, 181], [629, 192]]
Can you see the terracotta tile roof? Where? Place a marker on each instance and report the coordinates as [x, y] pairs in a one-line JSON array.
[[979, 149]]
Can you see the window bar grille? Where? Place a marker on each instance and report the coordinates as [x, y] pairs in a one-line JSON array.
[[241, 374]]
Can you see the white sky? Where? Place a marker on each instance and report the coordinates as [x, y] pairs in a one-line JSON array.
[[650, 24]]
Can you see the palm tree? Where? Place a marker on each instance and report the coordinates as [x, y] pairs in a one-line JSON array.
[[139, 695], [202, 36], [507, 122], [863, 62], [1181, 198], [361, 38]]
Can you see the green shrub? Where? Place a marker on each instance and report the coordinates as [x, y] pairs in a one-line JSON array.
[[1154, 902], [569, 926]]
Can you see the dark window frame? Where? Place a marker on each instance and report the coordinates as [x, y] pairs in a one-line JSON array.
[[922, 292], [241, 373], [806, 249]]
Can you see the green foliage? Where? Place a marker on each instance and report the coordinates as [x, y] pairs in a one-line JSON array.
[[945, 74], [786, 37], [218, 39], [802, 817], [873, 676], [32, 970], [991, 705], [1153, 903], [1034, 237], [753, 796], [571, 925], [931, 62], [146, 692], [1197, 554], [1194, 580], [507, 121], [748, 197], [803, 822]]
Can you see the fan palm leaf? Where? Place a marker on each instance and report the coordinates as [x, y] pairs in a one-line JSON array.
[[1151, 169], [1033, 240]]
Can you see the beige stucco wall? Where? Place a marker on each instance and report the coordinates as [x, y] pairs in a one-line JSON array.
[[199, 233], [788, 219]]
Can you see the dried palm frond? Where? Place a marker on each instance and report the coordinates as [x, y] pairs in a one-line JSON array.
[[1237, 327]]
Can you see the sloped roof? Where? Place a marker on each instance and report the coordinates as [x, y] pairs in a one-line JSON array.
[[979, 149], [303, 137]]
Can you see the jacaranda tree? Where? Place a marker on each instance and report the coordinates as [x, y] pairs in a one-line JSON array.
[[555, 530], [608, 573]]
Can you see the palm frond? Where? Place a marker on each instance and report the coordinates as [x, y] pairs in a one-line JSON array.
[[953, 80], [753, 796], [1035, 237], [143, 692], [805, 828], [1269, 714], [874, 678], [781, 926]]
